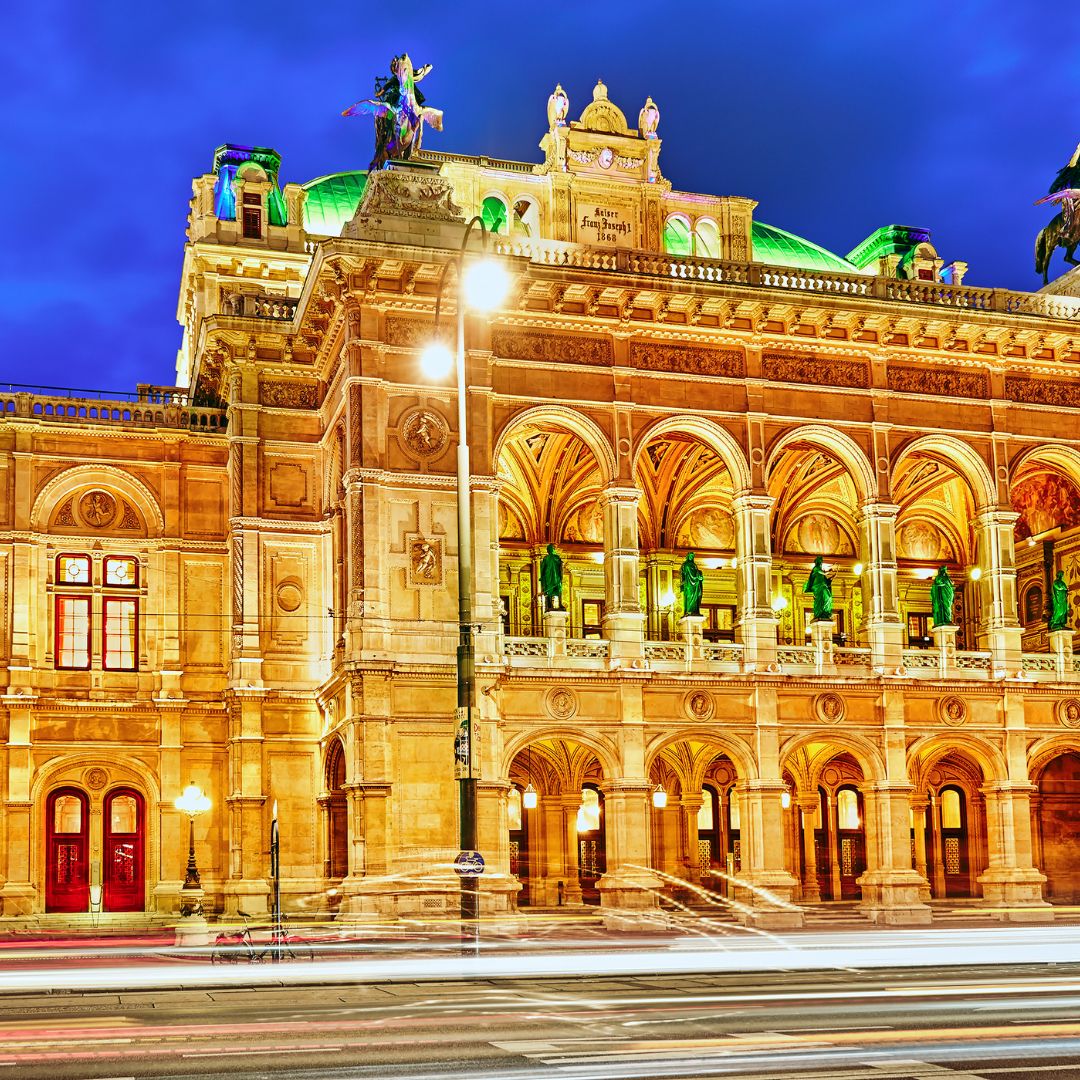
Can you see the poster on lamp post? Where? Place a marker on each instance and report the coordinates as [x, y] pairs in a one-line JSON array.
[[466, 745]]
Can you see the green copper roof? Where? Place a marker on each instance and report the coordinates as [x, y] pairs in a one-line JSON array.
[[332, 201], [888, 240], [773, 245]]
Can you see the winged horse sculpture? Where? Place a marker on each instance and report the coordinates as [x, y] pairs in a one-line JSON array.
[[399, 111], [1063, 230]]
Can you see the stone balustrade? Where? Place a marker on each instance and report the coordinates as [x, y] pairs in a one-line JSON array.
[[258, 305], [721, 271], [151, 406]]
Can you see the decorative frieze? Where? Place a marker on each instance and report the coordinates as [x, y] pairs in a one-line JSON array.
[[688, 359], [1042, 391], [551, 348], [948, 382], [288, 395], [816, 370]]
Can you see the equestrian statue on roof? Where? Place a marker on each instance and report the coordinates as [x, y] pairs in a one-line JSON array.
[[399, 111], [1063, 230]]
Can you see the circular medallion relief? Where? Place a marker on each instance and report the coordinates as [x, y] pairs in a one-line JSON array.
[[699, 705], [605, 157], [561, 703], [289, 595], [952, 711], [831, 776], [829, 708], [97, 508], [1068, 712], [95, 779], [424, 432]]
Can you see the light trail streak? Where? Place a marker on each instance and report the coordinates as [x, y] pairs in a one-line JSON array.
[[973, 948]]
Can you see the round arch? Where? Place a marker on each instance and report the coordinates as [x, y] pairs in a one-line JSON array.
[[924, 754], [70, 480], [606, 752], [961, 456], [865, 753], [570, 420], [833, 442], [717, 438], [732, 747], [1046, 750], [1064, 458]]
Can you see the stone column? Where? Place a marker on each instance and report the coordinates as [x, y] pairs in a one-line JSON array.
[[498, 889], [885, 631], [890, 888], [1010, 881], [937, 871], [247, 886], [624, 621], [1000, 630], [766, 886], [485, 525], [919, 803], [832, 811], [690, 805], [1035, 808], [755, 622], [808, 811], [628, 883], [569, 875]]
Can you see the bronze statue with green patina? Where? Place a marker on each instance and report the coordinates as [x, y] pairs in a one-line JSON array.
[[691, 584], [820, 584], [1059, 603], [942, 594], [551, 579]]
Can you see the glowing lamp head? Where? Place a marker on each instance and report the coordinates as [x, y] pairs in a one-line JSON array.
[[785, 799], [976, 573], [659, 797], [484, 284], [857, 569], [779, 603], [529, 797], [436, 361], [192, 801]]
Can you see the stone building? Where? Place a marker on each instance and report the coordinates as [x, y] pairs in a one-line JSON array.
[[249, 580]]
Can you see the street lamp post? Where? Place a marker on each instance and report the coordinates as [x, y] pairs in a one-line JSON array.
[[481, 286], [192, 802]]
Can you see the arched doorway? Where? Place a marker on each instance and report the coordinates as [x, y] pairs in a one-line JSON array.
[[592, 849], [1059, 827], [123, 851], [337, 814], [67, 851]]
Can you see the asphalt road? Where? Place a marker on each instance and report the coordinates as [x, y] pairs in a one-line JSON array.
[[925, 1024]]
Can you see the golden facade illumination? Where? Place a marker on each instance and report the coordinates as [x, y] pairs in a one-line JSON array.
[[248, 582]]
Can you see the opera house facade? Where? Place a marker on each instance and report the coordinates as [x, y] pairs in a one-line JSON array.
[[249, 580]]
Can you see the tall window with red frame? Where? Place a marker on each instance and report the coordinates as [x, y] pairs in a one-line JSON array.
[[120, 615], [73, 611]]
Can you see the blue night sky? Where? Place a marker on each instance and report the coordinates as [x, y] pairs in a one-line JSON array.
[[838, 118]]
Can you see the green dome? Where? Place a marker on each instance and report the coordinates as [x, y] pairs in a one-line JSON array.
[[780, 248], [332, 201]]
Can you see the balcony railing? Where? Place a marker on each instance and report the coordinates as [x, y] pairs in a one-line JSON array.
[[148, 406], [258, 305], [721, 271]]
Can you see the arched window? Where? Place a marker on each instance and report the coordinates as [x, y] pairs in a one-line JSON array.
[[677, 237], [951, 809], [734, 815], [706, 817], [707, 239], [493, 215], [526, 221], [513, 808], [588, 815], [847, 809]]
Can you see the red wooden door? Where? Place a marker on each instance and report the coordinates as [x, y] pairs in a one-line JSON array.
[[123, 851], [67, 851]]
